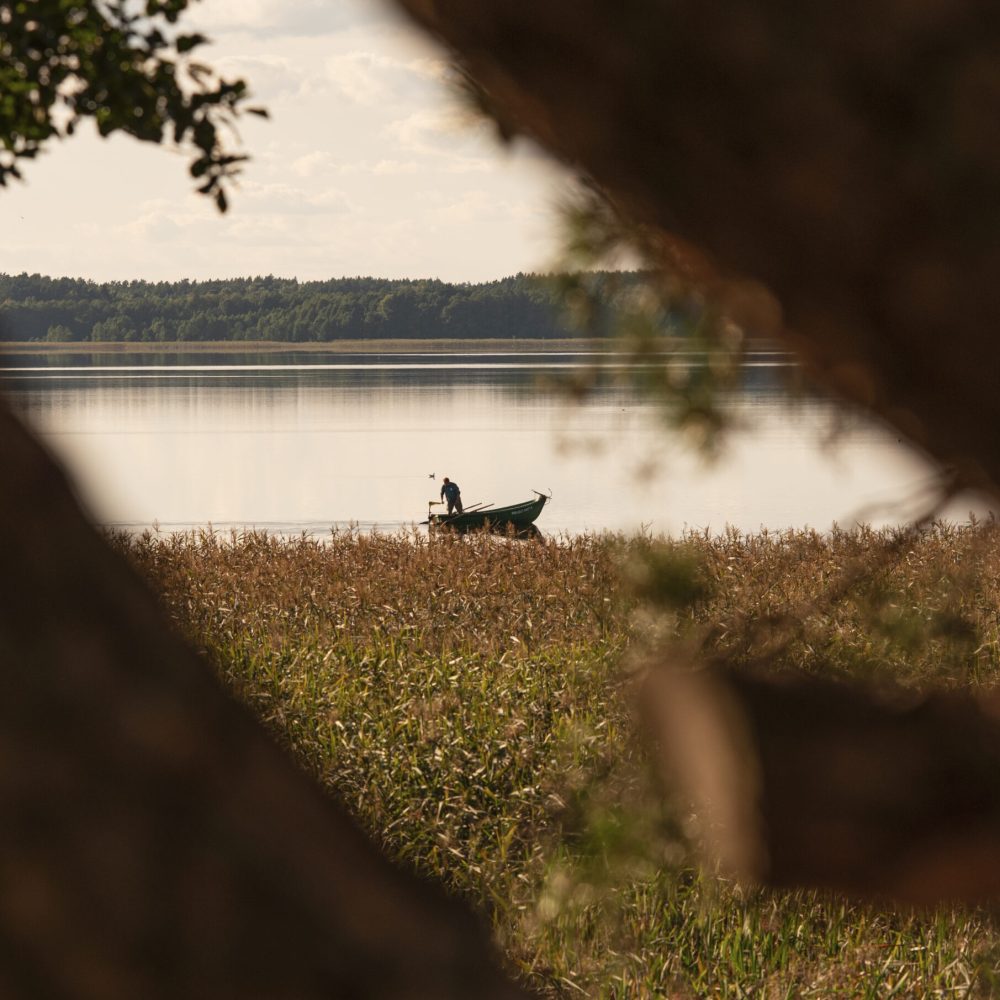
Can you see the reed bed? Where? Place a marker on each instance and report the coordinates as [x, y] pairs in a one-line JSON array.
[[468, 700]]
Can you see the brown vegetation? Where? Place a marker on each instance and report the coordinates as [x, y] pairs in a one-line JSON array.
[[469, 700]]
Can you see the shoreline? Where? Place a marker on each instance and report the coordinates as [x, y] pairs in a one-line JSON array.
[[372, 346], [311, 347]]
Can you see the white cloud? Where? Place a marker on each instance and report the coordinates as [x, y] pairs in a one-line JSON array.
[[370, 78], [470, 165], [280, 198], [388, 168], [269, 77], [473, 206], [435, 130], [157, 222], [285, 18], [310, 164], [263, 231], [270, 211], [320, 162], [356, 77]]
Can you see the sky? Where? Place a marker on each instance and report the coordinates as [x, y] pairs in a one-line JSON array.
[[368, 165]]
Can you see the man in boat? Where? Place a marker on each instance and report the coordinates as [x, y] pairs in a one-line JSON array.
[[451, 493]]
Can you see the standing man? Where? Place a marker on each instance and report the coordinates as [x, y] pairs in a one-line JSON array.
[[451, 493]]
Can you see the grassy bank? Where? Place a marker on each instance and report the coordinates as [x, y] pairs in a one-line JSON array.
[[467, 700]]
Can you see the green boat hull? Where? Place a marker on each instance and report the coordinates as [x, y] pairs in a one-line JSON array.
[[518, 516]]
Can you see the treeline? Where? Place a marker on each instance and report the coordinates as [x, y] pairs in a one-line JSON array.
[[38, 308]]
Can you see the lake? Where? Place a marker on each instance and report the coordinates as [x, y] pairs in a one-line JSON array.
[[293, 442]]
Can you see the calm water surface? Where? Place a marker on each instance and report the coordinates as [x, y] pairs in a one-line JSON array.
[[306, 442]]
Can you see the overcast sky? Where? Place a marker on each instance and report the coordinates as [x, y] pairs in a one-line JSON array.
[[367, 166]]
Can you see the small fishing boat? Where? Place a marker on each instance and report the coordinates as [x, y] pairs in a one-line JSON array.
[[518, 516]]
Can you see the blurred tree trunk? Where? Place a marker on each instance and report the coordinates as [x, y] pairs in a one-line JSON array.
[[842, 159], [155, 842]]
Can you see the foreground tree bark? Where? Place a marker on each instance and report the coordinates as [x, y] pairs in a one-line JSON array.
[[155, 842]]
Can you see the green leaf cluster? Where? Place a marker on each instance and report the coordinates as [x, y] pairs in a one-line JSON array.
[[124, 65]]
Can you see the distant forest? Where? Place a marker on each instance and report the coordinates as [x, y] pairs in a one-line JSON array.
[[37, 308]]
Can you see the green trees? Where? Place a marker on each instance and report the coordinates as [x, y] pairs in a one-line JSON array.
[[59, 334], [280, 309]]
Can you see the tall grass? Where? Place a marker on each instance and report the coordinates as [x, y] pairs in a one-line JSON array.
[[467, 699]]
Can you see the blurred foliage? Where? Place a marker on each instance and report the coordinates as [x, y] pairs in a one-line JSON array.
[[125, 65], [680, 347], [668, 575]]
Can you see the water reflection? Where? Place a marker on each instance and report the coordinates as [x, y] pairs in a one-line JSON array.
[[292, 444]]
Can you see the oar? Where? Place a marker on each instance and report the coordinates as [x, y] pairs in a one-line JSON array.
[[474, 509]]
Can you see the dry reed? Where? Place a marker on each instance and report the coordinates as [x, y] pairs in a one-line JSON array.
[[465, 699]]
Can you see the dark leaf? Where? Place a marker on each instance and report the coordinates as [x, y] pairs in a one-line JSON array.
[[185, 43]]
